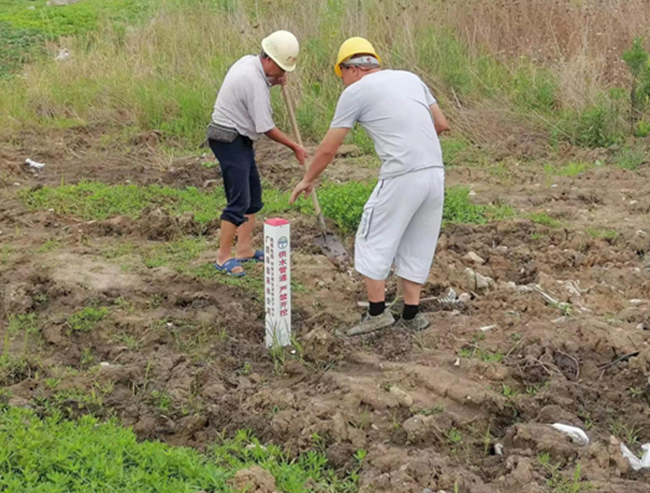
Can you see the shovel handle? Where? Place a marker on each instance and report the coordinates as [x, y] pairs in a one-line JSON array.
[[296, 131]]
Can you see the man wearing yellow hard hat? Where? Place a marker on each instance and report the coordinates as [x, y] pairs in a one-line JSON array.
[[401, 220], [242, 114]]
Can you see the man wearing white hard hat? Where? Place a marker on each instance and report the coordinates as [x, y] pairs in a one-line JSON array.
[[242, 114], [401, 220]]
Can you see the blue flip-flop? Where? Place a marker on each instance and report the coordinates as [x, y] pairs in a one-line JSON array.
[[258, 256], [228, 266]]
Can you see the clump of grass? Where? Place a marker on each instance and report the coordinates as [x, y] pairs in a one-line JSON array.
[[544, 219], [628, 433], [571, 169], [344, 203], [49, 245], [27, 322], [453, 436], [560, 483], [603, 234], [428, 411], [5, 252], [253, 283], [476, 352], [459, 208], [630, 158], [599, 125], [87, 318], [76, 456]]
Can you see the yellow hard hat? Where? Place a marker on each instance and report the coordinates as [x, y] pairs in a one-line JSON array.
[[354, 46]]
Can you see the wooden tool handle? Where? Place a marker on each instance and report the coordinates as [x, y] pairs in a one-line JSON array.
[[296, 131]]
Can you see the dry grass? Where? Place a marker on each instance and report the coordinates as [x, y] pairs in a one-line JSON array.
[[505, 60], [584, 37]]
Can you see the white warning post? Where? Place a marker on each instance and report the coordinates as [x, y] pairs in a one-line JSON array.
[[277, 275]]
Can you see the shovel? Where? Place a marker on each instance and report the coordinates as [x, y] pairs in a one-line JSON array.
[[329, 243]]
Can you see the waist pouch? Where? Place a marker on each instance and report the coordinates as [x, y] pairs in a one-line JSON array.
[[221, 134]]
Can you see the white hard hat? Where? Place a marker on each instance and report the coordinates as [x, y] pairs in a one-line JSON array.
[[283, 48]]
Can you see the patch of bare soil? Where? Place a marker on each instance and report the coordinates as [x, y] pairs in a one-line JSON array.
[[554, 327]]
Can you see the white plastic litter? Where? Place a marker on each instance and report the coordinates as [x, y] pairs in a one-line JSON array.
[[451, 298], [34, 164], [498, 449], [576, 434], [636, 463], [487, 328], [64, 54]]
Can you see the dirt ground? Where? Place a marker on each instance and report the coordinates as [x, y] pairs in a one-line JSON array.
[[463, 406]]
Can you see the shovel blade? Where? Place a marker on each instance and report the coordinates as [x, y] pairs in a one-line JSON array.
[[334, 250]]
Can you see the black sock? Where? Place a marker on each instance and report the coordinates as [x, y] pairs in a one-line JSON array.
[[410, 311], [377, 308]]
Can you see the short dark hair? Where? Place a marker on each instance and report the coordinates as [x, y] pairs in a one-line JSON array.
[[264, 54]]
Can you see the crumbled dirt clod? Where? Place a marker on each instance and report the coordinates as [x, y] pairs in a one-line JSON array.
[[253, 480]]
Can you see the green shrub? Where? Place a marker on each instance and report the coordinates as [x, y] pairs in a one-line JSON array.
[[599, 125], [17, 46], [637, 60]]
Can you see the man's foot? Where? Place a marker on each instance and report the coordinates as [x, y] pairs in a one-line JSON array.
[[420, 322], [255, 256], [232, 267], [371, 324]]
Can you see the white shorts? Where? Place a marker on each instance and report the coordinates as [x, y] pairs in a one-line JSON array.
[[401, 223]]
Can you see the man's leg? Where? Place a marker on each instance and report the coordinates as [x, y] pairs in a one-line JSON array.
[[417, 247], [376, 296], [228, 230], [245, 233], [412, 292], [385, 217], [234, 169], [245, 238]]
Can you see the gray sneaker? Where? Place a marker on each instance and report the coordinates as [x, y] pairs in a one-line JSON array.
[[371, 324], [420, 322]]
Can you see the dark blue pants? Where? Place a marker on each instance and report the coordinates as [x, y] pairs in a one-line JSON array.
[[240, 178]]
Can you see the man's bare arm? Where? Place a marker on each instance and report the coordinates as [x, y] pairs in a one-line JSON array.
[[439, 120], [324, 155], [281, 138]]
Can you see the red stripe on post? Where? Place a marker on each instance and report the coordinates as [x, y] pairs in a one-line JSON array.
[[276, 221]]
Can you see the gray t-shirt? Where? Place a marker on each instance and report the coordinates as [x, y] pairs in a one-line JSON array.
[[393, 108], [244, 100]]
